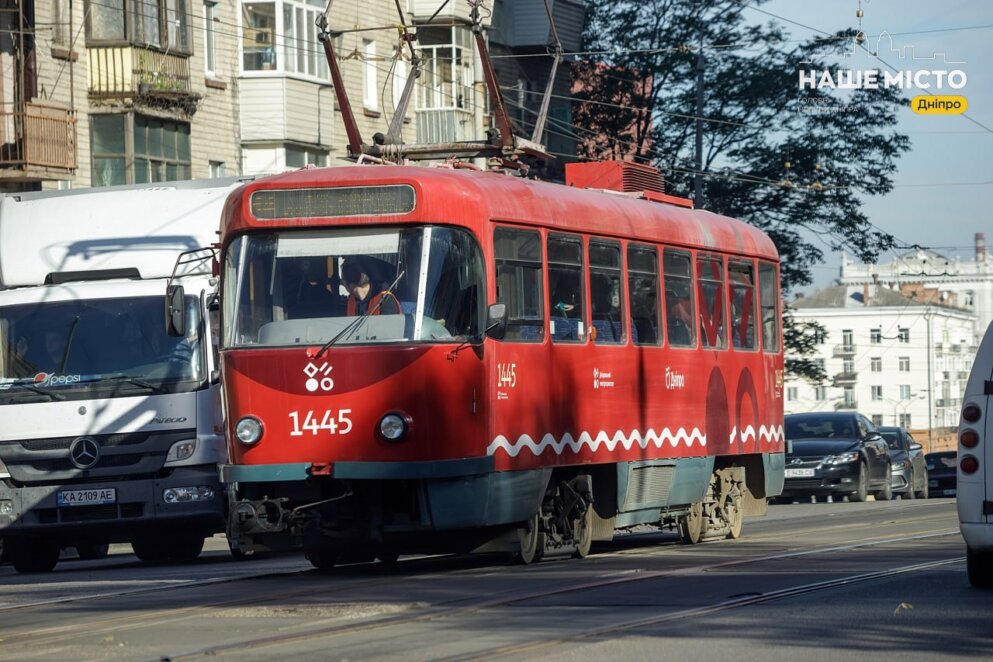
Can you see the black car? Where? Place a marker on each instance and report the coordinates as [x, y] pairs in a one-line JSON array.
[[941, 473], [836, 454], [907, 469]]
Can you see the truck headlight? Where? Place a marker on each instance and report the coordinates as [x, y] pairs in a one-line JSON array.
[[188, 494], [248, 430]]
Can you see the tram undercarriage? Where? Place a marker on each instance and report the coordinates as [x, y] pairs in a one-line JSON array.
[[339, 521]]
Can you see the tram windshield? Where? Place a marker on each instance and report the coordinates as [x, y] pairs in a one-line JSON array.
[[411, 284], [65, 350]]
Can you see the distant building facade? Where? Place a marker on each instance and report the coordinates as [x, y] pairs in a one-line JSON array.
[[928, 275], [895, 359]]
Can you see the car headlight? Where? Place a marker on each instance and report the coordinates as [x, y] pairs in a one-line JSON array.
[[181, 450], [394, 426], [4, 472], [248, 430], [842, 458]]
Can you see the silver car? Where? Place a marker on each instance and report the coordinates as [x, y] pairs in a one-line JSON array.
[[907, 468]]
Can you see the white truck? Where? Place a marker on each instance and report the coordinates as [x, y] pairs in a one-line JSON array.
[[110, 428], [975, 466]]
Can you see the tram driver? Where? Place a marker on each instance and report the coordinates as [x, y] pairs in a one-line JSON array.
[[365, 297]]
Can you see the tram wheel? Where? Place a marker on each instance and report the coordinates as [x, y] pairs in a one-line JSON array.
[[691, 525], [531, 541], [583, 533], [323, 559], [388, 556], [735, 516]]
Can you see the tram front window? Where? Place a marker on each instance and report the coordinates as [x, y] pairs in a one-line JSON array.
[[421, 283]]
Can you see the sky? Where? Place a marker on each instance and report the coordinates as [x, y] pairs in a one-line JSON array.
[[943, 187]]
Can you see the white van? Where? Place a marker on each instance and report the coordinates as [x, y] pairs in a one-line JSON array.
[[975, 466]]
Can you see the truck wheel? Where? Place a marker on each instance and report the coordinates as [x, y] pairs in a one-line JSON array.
[[323, 559], [93, 551], [150, 548], [185, 547], [31, 555]]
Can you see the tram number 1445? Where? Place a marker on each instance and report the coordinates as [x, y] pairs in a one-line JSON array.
[[316, 422]]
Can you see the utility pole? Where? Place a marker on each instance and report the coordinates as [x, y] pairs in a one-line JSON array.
[[930, 382], [698, 175]]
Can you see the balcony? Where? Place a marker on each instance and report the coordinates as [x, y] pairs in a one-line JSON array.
[[132, 72], [845, 378], [844, 350], [445, 125], [846, 404], [38, 144]]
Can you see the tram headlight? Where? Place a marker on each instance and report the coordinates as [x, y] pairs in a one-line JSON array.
[[394, 426], [248, 430]]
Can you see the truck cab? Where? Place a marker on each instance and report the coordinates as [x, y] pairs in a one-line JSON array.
[[111, 429], [975, 466]]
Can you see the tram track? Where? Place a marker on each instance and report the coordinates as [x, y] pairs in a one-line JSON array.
[[337, 629]]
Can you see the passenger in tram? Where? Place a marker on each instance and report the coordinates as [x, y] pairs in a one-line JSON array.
[[364, 296], [316, 294]]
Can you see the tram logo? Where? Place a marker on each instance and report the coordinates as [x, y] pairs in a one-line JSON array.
[[318, 377], [602, 379], [674, 380]]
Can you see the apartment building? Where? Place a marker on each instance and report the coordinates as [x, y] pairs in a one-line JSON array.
[[898, 360], [101, 92]]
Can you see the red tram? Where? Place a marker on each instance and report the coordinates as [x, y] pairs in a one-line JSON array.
[[556, 363]]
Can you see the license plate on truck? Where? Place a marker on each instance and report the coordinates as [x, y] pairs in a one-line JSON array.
[[87, 497]]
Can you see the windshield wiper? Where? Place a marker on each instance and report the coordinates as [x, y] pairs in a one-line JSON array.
[[357, 323], [65, 354], [121, 377], [31, 387]]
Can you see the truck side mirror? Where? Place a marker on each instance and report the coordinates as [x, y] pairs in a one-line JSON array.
[[175, 311], [496, 321]]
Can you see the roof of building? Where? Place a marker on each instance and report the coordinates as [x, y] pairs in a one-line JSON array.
[[851, 296]]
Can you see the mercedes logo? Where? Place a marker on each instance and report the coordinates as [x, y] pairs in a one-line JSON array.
[[84, 452]]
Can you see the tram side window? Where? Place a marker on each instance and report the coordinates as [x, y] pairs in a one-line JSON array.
[[643, 293], [769, 298], [679, 315], [606, 294], [565, 282], [710, 287], [518, 281], [741, 296]]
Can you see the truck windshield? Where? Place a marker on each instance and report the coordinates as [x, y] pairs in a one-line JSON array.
[[69, 349], [411, 284]]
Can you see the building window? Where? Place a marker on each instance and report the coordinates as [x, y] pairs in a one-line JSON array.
[[217, 169], [876, 336], [60, 24], [158, 149], [258, 41], [876, 364], [849, 396], [905, 420], [158, 23], [446, 68], [791, 393], [298, 157], [905, 391], [820, 393], [904, 364], [820, 336], [968, 299], [370, 88], [210, 37], [903, 335], [877, 392], [847, 338], [877, 419], [821, 363], [848, 366], [302, 54]]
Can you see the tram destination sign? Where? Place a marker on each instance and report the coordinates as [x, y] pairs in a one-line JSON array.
[[277, 204]]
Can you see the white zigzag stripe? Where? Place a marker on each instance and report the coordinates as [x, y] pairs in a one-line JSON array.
[[772, 433]]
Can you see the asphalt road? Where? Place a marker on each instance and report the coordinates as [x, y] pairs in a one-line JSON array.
[[882, 580]]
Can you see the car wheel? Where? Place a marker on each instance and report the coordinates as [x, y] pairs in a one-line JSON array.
[[886, 493], [150, 548], [861, 492], [923, 492], [980, 568]]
